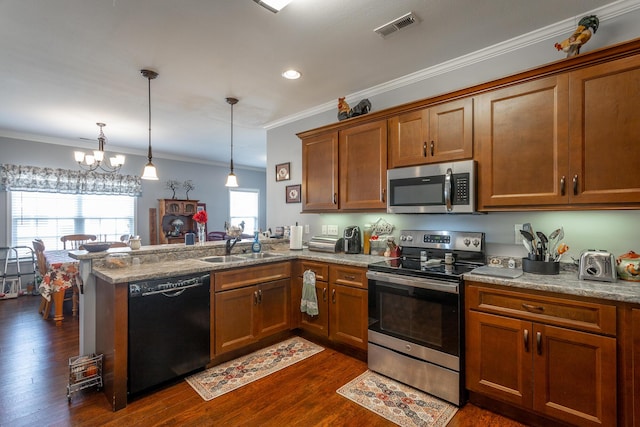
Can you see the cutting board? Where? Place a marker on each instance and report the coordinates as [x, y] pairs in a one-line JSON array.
[[506, 273]]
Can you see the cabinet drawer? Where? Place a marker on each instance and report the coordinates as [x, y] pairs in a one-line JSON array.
[[241, 277], [349, 276], [580, 315], [320, 269]]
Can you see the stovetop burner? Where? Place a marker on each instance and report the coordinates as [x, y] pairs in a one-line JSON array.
[[423, 254]]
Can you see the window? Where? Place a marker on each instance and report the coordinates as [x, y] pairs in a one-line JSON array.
[[48, 216], [243, 206]]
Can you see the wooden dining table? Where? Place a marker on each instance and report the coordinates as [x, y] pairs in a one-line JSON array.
[[62, 273]]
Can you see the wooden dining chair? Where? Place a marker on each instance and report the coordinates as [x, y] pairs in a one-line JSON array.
[[45, 305], [76, 240], [118, 245]]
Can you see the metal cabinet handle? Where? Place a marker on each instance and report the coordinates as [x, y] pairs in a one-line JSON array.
[[333, 296], [526, 340], [563, 183], [255, 298], [335, 198], [324, 294], [530, 307], [539, 342], [349, 277], [384, 195], [260, 296], [424, 149], [575, 185], [432, 146]]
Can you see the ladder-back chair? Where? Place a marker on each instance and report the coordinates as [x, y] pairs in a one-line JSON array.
[[76, 240], [45, 305]]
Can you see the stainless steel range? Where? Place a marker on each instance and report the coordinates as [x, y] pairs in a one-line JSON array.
[[416, 305]]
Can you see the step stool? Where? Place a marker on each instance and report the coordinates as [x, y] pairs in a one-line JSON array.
[[11, 274]]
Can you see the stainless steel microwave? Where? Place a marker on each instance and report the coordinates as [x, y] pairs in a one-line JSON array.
[[436, 188]]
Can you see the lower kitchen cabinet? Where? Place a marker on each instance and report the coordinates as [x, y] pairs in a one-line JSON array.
[[635, 322], [248, 311], [548, 355], [342, 303]]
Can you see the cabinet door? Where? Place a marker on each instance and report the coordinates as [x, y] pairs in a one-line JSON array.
[[451, 131], [522, 138], [499, 361], [605, 124], [274, 306], [575, 376], [320, 172], [363, 166], [408, 139], [349, 316], [635, 322], [235, 321], [318, 325]]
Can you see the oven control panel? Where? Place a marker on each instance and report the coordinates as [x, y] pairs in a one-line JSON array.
[[438, 239]]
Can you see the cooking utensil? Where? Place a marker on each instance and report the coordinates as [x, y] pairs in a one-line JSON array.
[[527, 245], [543, 245], [532, 241]]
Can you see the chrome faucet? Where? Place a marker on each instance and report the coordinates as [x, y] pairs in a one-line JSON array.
[[230, 244]]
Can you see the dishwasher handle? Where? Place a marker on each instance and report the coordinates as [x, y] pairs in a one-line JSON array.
[[171, 292]]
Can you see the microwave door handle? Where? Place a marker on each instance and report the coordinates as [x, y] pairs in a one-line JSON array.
[[447, 189]]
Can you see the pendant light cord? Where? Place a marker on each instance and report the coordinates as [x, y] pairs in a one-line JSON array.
[[149, 155]]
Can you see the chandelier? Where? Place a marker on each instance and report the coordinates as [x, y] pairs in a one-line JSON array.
[[92, 162]]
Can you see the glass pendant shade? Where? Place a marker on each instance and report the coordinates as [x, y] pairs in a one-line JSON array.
[[150, 172], [232, 181]]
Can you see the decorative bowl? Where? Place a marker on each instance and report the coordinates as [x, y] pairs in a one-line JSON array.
[[96, 246], [628, 266]]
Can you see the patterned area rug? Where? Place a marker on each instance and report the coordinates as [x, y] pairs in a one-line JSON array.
[[397, 402], [231, 375]]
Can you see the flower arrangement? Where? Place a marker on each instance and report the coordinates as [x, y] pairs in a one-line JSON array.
[[200, 217]]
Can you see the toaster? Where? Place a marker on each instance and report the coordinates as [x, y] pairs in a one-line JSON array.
[[597, 265]]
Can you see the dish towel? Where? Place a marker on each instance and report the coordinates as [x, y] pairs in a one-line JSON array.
[[309, 302]]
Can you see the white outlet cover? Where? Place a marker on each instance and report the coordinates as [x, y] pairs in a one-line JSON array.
[[332, 230], [324, 230]]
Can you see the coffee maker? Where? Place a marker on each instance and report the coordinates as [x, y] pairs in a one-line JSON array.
[[352, 241]]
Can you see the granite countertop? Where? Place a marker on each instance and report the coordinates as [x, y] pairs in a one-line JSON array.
[[567, 283], [166, 265]]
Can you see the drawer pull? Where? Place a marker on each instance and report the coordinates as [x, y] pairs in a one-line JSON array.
[[526, 340], [424, 149], [530, 307], [324, 294], [352, 278], [260, 296], [539, 342], [333, 296], [255, 298]]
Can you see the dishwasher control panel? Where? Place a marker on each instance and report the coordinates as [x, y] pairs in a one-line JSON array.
[[169, 284]]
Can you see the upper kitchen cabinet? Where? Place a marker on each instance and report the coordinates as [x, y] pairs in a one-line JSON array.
[[435, 134], [604, 125], [346, 169], [363, 167], [522, 144], [320, 172]]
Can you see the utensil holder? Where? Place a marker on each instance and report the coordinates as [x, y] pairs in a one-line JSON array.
[[540, 267]]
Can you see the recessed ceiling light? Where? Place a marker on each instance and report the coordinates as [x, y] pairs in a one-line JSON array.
[[291, 74], [273, 5]]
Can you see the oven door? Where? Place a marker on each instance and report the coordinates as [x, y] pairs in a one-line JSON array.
[[418, 310]]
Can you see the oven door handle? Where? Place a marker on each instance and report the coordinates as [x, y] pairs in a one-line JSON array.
[[417, 282]]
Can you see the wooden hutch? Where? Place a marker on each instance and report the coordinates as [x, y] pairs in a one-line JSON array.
[[176, 219]]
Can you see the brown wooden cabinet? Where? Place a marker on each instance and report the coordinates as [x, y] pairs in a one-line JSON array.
[[522, 144], [561, 141], [604, 124], [635, 354], [250, 304], [346, 169], [342, 303], [438, 133], [553, 356], [176, 219]]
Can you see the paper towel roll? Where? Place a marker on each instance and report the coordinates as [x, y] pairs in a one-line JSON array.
[[295, 238]]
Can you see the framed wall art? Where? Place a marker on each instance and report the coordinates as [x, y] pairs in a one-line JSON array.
[[282, 172], [293, 193]]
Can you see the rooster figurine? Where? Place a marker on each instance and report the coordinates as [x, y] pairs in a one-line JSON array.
[[580, 36]]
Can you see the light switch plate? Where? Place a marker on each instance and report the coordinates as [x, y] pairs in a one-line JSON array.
[[306, 229], [518, 236]]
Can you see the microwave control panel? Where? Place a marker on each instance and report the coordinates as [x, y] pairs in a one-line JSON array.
[[460, 194]]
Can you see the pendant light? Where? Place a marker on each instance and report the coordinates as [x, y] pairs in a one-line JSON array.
[[232, 181], [149, 170]]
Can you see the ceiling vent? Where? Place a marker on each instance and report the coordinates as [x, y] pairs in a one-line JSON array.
[[397, 24]]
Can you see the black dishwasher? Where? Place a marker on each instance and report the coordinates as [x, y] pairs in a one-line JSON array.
[[169, 328]]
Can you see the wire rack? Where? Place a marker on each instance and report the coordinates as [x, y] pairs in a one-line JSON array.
[[84, 372]]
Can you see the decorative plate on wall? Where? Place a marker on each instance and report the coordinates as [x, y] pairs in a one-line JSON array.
[[293, 193], [282, 172]]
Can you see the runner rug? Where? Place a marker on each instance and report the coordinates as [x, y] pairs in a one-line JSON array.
[[397, 402], [231, 375]]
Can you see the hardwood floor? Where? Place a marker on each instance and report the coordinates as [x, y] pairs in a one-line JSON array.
[[34, 357]]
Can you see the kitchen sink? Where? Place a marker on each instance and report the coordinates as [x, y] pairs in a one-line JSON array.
[[259, 255], [223, 258]]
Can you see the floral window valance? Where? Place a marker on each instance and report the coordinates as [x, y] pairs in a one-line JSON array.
[[33, 178]]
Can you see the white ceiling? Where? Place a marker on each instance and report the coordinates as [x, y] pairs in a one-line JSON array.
[[67, 64]]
